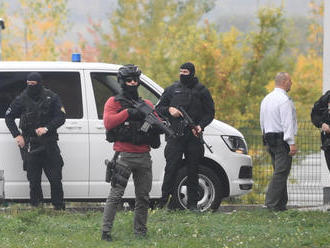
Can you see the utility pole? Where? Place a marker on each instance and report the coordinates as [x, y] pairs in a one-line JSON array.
[[326, 86], [2, 26]]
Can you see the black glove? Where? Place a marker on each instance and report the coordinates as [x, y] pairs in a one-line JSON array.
[[135, 114]]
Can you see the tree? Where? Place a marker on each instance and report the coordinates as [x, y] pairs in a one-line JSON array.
[[157, 35], [308, 70], [34, 28], [264, 59]]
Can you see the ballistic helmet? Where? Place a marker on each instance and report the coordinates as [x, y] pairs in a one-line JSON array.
[[127, 72]]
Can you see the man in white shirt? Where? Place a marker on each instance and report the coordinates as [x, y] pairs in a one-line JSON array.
[[278, 124]]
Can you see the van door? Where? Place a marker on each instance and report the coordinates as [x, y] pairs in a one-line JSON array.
[[73, 134], [100, 86], [103, 85]]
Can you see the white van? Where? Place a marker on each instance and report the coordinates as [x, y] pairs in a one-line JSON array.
[[84, 88]]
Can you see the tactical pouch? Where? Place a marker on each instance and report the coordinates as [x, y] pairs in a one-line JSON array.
[[120, 176], [110, 169], [111, 165], [325, 138], [110, 136]]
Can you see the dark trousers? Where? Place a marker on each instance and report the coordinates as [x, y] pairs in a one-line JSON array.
[[277, 195], [193, 151], [327, 158], [140, 166], [50, 161]]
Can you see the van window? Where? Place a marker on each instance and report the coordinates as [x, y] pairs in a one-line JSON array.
[[106, 85], [66, 84]]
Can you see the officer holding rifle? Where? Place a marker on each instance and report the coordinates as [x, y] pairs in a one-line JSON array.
[[134, 128], [187, 97]]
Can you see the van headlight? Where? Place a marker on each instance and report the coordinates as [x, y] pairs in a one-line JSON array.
[[235, 144]]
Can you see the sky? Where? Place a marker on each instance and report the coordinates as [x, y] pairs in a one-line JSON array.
[[99, 10]]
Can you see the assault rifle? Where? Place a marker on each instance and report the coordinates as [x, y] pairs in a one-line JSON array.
[[150, 118], [188, 122]]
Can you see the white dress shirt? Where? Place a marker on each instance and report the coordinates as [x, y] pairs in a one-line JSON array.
[[278, 114]]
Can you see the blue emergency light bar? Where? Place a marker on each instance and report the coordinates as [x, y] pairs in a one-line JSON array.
[[76, 57]]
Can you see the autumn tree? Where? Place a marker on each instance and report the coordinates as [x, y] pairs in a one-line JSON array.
[[34, 29], [157, 35], [307, 75]]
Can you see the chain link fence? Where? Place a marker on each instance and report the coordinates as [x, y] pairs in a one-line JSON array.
[[304, 184]]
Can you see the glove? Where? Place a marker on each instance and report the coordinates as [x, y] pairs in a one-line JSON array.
[[135, 114]]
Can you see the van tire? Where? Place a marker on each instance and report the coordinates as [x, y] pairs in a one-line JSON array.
[[210, 191]]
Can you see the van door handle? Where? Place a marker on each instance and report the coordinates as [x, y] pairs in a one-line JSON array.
[[73, 127]]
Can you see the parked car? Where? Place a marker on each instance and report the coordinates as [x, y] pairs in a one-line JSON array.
[[84, 88]]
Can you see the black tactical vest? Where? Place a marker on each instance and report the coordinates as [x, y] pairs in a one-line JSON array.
[[190, 99], [36, 113], [130, 132]]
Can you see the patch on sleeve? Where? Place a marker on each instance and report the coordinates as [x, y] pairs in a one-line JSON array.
[[8, 111], [63, 110]]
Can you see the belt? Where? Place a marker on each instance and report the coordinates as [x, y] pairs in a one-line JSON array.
[[274, 135]]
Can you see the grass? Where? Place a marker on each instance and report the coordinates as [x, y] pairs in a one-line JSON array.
[[258, 228]]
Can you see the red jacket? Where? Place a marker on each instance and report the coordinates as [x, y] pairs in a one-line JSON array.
[[112, 118]]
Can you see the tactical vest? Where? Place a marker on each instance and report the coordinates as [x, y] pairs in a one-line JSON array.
[[36, 113], [190, 99], [130, 132]]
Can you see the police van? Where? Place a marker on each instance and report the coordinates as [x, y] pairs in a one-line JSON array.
[[84, 89]]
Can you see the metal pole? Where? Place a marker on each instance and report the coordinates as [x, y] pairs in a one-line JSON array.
[[2, 26], [325, 177]]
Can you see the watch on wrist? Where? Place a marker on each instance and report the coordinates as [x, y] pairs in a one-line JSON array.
[[46, 129]]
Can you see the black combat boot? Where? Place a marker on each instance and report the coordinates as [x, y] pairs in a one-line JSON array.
[[106, 236], [59, 207]]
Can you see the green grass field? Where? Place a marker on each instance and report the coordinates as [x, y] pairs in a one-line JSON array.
[[258, 228]]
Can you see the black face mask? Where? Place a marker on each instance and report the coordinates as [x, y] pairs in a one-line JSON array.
[[34, 90], [131, 91], [187, 80]]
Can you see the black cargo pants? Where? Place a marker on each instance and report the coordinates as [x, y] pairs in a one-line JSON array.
[[193, 151], [49, 160]]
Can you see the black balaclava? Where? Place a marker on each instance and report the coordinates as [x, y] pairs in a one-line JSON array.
[[34, 90], [188, 80], [125, 74], [130, 91]]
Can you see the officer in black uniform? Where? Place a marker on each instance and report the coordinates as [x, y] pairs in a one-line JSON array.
[[196, 100], [320, 116], [41, 112]]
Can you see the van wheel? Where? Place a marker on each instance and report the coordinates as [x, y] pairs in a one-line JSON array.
[[210, 190]]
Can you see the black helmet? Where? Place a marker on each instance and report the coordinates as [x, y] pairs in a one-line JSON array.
[[128, 71]]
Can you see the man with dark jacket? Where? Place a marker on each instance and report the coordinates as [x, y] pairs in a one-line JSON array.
[[321, 119], [188, 94], [132, 151], [41, 113]]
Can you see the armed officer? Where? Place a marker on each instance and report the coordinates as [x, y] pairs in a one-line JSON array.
[[320, 117], [195, 99], [41, 112], [132, 146]]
